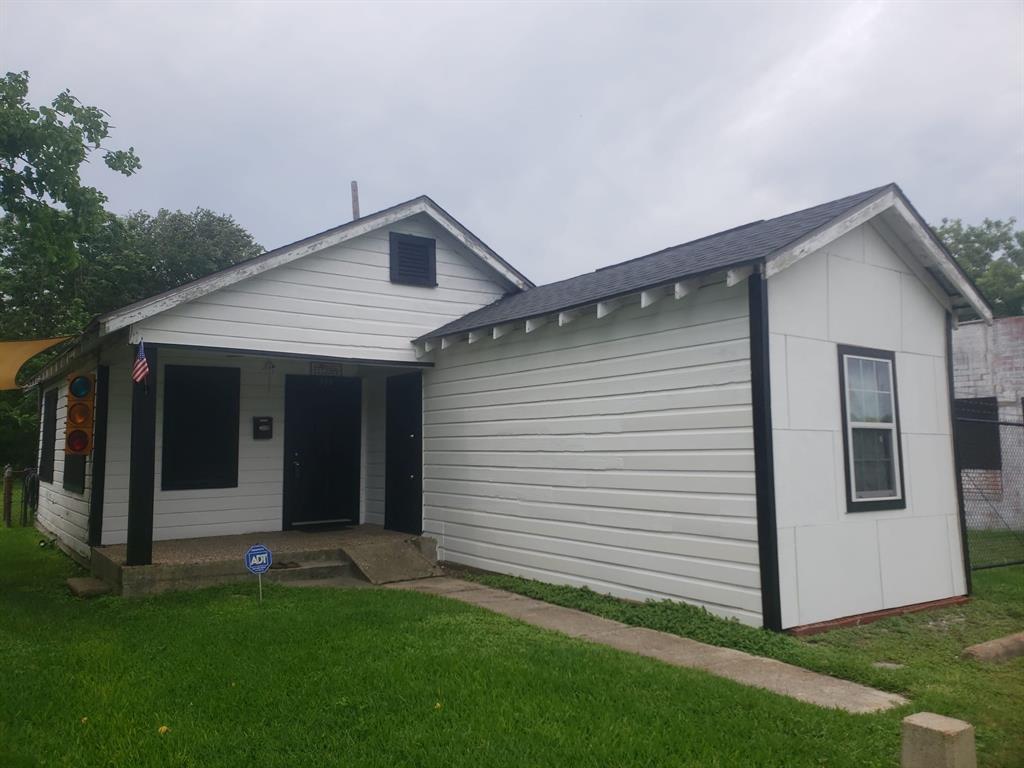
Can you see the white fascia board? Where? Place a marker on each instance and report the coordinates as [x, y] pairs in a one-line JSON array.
[[146, 308], [891, 199], [789, 256]]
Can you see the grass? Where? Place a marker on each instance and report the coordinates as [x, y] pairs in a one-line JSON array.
[[995, 547], [928, 644], [363, 677], [387, 678]]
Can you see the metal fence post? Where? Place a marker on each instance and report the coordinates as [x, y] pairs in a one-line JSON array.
[[8, 494]]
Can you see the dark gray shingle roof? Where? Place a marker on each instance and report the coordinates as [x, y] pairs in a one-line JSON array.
[[733, 247]]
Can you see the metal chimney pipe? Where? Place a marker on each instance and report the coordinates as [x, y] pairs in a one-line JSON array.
[[355, 200]]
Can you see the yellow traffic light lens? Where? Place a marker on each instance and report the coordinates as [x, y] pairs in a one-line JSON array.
[[78, 440], [78, 414], [81, 386]]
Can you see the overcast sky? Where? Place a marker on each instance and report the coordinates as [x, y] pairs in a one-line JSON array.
[[566, 136]]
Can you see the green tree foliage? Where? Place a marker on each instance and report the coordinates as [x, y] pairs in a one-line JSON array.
[[63, 257], [992, 253], [45, 209]]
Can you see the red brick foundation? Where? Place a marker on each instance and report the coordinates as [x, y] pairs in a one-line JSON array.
[[867, 618]]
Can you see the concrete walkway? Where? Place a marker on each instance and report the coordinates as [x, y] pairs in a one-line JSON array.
[[775, 676]]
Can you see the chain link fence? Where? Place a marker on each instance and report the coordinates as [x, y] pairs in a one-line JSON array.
[[990, 453]]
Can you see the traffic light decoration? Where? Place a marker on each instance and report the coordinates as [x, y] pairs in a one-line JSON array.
[[80, 415]]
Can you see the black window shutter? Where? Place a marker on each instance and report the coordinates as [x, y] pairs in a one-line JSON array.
[[200, 432], [74, 472], [977, 432], [49, 437], [413, 260]]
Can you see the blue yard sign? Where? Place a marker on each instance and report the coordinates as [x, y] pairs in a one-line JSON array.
[[258, 560]]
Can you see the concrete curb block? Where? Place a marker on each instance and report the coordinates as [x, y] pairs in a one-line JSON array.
[[935, 741]]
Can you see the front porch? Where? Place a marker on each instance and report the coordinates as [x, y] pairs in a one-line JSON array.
[[366, 554]]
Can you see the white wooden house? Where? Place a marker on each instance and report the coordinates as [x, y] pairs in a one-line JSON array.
[[757, 422]]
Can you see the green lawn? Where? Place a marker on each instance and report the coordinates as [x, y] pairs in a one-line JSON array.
[[372, 677], [928, 644]]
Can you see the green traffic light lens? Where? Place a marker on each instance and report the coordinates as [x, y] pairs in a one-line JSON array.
[[80, 386]]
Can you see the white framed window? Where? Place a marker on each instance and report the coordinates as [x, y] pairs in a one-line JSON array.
[[871, 432]]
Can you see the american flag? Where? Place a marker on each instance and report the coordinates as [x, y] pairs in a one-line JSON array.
[[140, 371]]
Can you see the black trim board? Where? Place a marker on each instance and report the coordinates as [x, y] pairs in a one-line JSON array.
[[99, 455], [143, 465], [869, 505], [961, 508], [764, 462]]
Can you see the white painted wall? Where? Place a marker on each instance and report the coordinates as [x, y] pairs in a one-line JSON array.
[[336, 303], [64, 513], [613, 453], [832, 563], [256, 504]]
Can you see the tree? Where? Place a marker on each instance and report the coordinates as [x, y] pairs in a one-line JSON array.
[[992, 254], [46, 209]]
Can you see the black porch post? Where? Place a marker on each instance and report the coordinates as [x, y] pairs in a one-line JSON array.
[[140, 474]]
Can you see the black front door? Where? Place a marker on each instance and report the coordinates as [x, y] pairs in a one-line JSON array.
[[321, 450], [403, 486]]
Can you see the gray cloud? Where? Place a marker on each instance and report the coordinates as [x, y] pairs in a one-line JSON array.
[[566, 136]]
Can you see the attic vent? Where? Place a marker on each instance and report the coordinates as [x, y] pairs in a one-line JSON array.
[[413, 260]]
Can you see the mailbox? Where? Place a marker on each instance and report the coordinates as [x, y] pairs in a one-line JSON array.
[[262, 427]]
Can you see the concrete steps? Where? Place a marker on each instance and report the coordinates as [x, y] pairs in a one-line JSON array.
[[311, 570]]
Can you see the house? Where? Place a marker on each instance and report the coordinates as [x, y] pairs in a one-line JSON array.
[[988, 371], [757, 422]]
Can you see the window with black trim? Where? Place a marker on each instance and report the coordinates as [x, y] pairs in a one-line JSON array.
[[413, 260], [200, 427], [871, 431], [49, 437]]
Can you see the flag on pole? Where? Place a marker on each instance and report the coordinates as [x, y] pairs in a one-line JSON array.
[[140, 371]]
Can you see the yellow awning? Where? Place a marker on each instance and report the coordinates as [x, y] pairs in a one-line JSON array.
[[14, 354]]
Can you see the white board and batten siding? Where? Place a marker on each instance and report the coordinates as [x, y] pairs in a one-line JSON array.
[[613, 453], [64, 513], [336, 303], [859, 291]]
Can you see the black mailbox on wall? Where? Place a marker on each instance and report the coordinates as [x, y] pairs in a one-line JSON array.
[[262, 427]]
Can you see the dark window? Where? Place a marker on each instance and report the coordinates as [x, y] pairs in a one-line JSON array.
[[977, 432], [413, 260], [49, 439], [200, 445], [74, 472], [871, 433]]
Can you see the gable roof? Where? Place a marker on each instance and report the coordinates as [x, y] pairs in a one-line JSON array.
[[140, 310], [758, 241]]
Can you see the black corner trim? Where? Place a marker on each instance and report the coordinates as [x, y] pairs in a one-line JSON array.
[[883, 504], [143, 465], [961, 508], [99, 456], [764, 461]]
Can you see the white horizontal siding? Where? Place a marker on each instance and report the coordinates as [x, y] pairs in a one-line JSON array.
[[613, 453], [62, 512], [256, 504], [336, 303]]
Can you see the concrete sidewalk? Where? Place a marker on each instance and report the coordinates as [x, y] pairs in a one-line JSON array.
[[775, 676]]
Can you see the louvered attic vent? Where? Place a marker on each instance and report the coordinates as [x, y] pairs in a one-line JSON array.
[[413, 260]]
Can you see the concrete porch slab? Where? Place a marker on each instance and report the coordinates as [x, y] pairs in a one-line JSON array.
[[769, 674]]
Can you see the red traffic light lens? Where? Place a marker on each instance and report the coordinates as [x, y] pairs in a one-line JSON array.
[[78, 440], [81, 386], [78, 414]]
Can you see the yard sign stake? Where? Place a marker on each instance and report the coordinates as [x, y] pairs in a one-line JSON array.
[[258, 560]]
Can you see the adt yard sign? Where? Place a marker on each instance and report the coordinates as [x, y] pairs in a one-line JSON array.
[[258, 560]]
